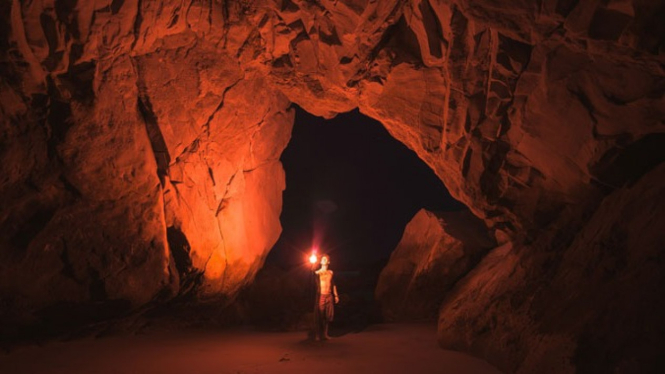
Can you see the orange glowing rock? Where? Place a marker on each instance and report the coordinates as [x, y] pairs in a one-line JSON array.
[[140, 145]]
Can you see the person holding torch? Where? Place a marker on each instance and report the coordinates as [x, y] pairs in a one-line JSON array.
[[326, 297]]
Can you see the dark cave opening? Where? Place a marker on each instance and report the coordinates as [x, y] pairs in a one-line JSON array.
[[351, 189]]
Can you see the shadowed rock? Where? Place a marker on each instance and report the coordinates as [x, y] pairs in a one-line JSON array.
[[121, 119], [436, 250]]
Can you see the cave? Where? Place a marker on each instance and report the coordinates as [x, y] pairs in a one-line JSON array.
[[351, 190], [142, 181]]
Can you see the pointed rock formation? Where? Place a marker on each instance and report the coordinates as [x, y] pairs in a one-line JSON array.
[[436, 250]]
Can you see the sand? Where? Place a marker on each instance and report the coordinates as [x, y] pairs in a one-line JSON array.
[[387, 348]]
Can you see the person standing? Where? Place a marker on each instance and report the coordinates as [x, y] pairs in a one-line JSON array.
[[326, 297]]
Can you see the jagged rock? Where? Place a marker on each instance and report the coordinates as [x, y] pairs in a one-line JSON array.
[[85, 223], [134, 124], [139, 140], [571, 304], [436, 250]]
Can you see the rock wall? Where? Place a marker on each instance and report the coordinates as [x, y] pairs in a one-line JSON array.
[[138, 156], [436, 250], [585, 303], [139, 140]]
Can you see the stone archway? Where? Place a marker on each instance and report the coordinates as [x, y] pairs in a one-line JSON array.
[[124, 118]]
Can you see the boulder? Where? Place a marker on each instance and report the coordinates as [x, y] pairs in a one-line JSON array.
[[436, 250]]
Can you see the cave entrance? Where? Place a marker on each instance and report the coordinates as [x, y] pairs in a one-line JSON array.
[[351, 189]]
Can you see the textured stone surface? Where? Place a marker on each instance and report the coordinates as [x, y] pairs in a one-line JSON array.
[[138, 154], [515, 123], [84, 220], [435, 251], [139, 144], [587, 303]]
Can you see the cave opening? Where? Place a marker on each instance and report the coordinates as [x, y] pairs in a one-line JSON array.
[[351, 189]]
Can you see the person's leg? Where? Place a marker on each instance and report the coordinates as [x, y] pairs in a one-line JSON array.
[[316, 321], [319, 319], [324, 335], [327, 316]]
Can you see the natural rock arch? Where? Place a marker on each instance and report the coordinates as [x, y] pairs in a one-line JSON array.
[[124, 118]]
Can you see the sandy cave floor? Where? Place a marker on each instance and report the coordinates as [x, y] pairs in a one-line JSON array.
[[387, 348]]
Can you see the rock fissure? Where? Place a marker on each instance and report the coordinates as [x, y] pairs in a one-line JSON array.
[[206, 125], [220, 229], [138, 20]]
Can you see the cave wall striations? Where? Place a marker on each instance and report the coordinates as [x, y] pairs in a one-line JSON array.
[[140, 155], [141, 139]]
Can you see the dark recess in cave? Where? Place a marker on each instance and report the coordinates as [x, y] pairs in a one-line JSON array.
[[179, 247], [351, 188], [623, 166]]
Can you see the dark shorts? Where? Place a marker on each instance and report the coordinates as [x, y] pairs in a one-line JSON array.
[[325, 308]]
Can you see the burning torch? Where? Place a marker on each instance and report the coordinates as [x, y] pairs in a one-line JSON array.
[[313, 259]]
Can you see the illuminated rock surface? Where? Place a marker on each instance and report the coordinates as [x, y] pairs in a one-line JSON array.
[[436, 250], [140, 140]]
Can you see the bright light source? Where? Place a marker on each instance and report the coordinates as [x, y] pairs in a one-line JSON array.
[[313, 259]]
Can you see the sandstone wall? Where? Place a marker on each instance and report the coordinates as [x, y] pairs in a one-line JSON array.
[[139, 140], [585, 303], [139, 152]]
